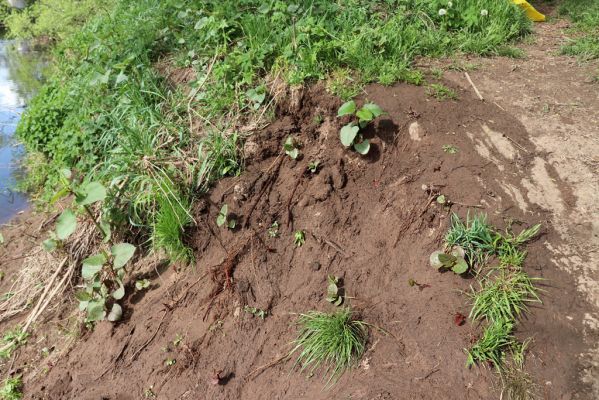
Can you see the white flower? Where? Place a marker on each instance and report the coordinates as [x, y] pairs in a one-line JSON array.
[[442, 11], [450, 4], [484, 13]]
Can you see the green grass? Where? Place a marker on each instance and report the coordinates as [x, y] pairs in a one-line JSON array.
[[441, 92], [503, 295], [11, 389], [11, 341], [585, 15], [332, 342], [504, 291], [107, 113]]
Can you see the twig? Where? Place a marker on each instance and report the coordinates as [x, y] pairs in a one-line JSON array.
[[480, 96], [143, 346], [467, 205], [435, 369], [514, 142], [261, 369]]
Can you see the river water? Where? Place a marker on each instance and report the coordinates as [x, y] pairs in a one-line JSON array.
[[20, 76]]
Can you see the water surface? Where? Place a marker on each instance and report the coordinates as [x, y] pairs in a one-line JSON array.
[[20, 77]]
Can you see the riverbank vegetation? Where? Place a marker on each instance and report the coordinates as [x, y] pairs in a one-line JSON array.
[[108, 113]]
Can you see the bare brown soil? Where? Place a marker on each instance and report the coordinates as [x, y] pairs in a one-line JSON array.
[[369, 221]]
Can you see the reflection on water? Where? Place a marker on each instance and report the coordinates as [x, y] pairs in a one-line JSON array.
[[20, 77]]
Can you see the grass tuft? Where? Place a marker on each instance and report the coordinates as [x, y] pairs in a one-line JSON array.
[[334, 342], [11, 389]]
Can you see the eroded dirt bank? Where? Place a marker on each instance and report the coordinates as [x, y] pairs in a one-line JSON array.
[[369, 221]]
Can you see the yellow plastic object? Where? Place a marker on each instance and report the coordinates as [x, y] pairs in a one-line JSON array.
[[531, 13]]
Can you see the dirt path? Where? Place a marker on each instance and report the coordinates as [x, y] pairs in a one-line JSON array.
[[556, 100]]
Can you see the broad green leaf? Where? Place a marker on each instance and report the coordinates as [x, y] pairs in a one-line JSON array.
[[142, 284], [364, 115], [1, 238], [348, 133], [95, 311], [232, 224], [119, 293], [435, 261], [347, 108], [222, 215], [49, 245], [59, 195], [116, 313], [106, 231], [93, 192], [92, 265], [363, 147], [332, 289], [460, 266], [66, 224], [66, 173], [331, 299], [122, 253], [447, 260], [293, 153], [441, 199], [374, 109], [83, 295], [338, 301]]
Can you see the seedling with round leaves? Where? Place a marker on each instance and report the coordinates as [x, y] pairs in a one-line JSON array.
[[224, 219], [291, 147], [103, 274], [454, 260], [313, 166], [350, 134], [334, 295]]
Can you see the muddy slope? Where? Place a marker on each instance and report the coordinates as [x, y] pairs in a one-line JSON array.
[[367, 220]]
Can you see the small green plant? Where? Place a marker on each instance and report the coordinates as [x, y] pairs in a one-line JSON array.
[[273, 230], [496, 338], [334, 342], [454, 260], [1, 239], [313, 166], [450, 149], [441, 92], [178, 340], [142, 284], [299, 238], [170, 362], [350, 134], [224, 219], [11, 389], [333, 292], [318, 119], [11, 341], [149, 393], [256, 312], [291, 147], [475, 236]]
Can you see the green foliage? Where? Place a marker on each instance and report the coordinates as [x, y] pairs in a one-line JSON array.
[[475, 236], [299, 238], [313, 166], [256, 312], [54, 19], [12, 340], [333, 342], [291, 147], [273, 230], [11, 389], [496, 338], [441, 92], [225, 219], [168, 229], [142, 284], [350, 134], [454, 260], [585, 15], [450, 149], [333, 292]]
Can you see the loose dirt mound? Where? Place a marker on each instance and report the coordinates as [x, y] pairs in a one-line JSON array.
[[367, 220]]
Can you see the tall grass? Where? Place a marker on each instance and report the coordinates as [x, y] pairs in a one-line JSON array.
[[585, 15]]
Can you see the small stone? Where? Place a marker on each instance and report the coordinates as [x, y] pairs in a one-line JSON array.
[[315, 266]]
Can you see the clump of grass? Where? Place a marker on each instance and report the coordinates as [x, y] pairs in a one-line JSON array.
[[475, 236], [168, 229], [491, 346], [334, 342], [585, 15], [11, 389], [441, 92], [503, 295]]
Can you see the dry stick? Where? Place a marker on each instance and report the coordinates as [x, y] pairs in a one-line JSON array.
[[480, 96], [435, 369], [143, 346], [331, 244], [259, 370], [516, 143]]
